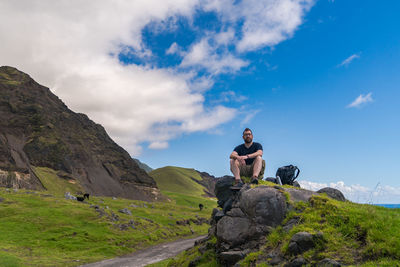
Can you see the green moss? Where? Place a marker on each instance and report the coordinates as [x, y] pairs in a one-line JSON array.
[[206, 259], [251, 258]]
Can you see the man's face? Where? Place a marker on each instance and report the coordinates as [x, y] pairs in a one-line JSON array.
[[248, 137]]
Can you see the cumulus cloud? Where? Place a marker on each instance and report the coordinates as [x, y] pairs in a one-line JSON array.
[[264, 23], [73, 47], [361, 100], [348, 60], [380, 194]]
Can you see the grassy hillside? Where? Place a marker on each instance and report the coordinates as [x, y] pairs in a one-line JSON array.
[[352, 234], [42, 228], [178, 180]]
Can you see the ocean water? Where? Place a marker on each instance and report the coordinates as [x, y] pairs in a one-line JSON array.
[[391, 206]]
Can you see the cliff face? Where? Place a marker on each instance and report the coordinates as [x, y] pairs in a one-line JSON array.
[[38, 129]]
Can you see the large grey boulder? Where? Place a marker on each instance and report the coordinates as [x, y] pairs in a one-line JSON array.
[[332, 193], [264, 205], [233, 230]]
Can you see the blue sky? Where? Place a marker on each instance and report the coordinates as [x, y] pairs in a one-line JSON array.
[[299, 93], [175, 82]]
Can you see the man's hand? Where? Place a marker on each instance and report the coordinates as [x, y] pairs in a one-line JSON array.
[[241, 159]]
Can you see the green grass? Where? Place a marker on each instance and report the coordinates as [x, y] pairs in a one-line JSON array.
[[56, 185], [206, 259], [43, 230], [353, 234], [178, 180]]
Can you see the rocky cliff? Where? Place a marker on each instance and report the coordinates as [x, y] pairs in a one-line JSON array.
[[38, 130]]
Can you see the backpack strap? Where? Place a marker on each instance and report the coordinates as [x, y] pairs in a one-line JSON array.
[[298, 172]]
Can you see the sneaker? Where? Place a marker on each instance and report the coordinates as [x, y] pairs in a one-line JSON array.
[[254, 180], [237, 186]]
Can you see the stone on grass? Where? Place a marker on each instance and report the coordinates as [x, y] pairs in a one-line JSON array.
[[328, 263], [332, 193], [125, 211]]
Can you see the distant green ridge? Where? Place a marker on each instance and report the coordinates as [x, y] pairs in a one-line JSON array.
[[178, 180]]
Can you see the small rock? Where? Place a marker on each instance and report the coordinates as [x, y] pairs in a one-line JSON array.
[[301, 242], [328, 263], [1, 199], [69, 196], [297, 262], [332, 193], [219, 215], [114, 217], [15, 190], [290, 224], [114, 198], [275, 260], [133, 206], [125, 211], [229, 258]]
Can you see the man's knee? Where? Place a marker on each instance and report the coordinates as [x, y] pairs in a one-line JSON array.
[[234, 162], [258, 158]]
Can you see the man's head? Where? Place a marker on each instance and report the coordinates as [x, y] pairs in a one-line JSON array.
[[247, 136]]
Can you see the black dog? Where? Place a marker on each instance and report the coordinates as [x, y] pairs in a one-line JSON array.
[[86, 196], [81, 199], [201, 206]]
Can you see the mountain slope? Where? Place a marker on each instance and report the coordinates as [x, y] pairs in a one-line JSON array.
[[184, 181], [143, 166], [38, 130]]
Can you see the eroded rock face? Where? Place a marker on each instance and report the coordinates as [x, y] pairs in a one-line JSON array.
[[39, 130]]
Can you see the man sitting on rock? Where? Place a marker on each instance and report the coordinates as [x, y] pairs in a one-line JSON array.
[[246, 159]]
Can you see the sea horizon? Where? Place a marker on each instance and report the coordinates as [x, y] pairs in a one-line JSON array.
[[391, 206]]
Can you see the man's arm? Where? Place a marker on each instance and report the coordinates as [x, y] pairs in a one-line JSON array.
[[235, 155], [255, 154]]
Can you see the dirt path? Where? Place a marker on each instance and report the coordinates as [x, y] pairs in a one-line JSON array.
[[150, 255]]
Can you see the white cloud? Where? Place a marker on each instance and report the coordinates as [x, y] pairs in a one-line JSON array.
[[380, 194], [73, 47], [158, 145], [204, 55], [249, 116], [348, 60], [361, 100], [231, 96]]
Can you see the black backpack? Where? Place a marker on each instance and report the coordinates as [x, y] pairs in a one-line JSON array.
[[287, 174]]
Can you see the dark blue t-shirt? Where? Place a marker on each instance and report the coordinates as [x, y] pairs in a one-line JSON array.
[[242, 150]]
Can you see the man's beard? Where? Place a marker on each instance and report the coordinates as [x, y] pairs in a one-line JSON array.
[[248, 140]]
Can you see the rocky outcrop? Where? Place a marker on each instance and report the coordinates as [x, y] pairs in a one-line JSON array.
[[250, 214], [38, 129]]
